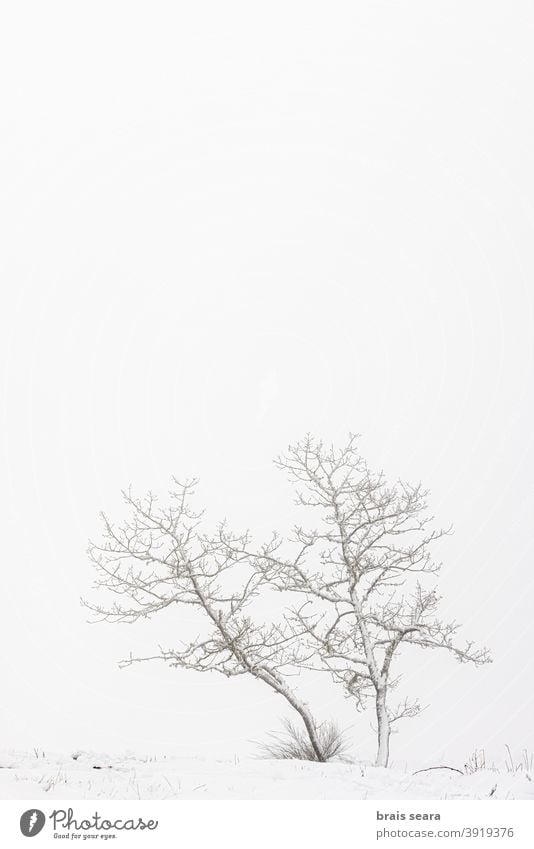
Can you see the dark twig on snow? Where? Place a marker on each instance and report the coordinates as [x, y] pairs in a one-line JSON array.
[[428, 768]]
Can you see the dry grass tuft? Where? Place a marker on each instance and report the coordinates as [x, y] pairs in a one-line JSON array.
[[476, 762], [524, 764], [294, 744]]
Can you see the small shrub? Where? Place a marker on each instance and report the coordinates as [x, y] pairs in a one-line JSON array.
[[294, 744]]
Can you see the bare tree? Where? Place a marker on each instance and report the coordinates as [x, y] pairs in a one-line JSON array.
[[361, 571], [159, 557]]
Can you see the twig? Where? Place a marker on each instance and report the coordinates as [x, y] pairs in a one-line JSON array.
[[428, 768]]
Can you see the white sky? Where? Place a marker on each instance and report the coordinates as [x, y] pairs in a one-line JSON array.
[[224, 225]]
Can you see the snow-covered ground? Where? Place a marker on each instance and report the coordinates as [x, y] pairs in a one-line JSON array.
[[90, 776]]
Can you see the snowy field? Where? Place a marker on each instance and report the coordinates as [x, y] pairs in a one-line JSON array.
[[90, 776]]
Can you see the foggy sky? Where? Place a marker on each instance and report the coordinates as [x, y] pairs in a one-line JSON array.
[[224, 226]]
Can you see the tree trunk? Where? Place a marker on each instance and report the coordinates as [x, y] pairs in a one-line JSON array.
[[311, 729], [384, 729], [302, 709]]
